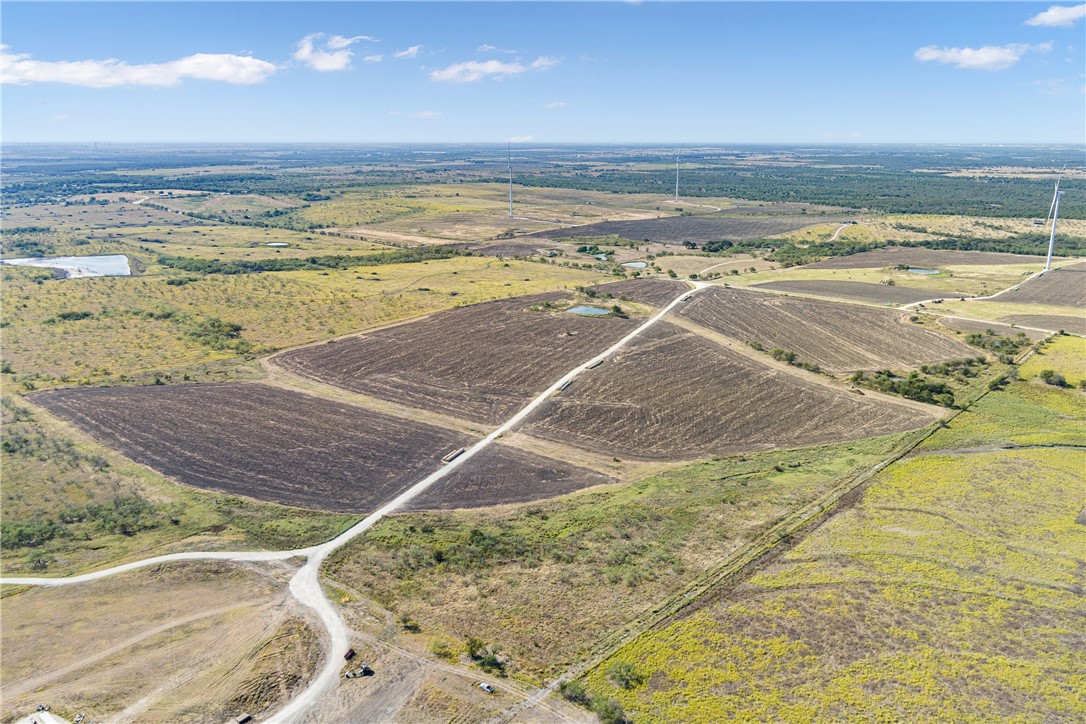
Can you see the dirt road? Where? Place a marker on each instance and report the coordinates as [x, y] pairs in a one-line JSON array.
[[305, 585]]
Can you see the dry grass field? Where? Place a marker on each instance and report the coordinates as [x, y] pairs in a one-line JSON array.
[[672, 394], [853, 291], [88, 218], [260, 441], [548, 581], [837, 337], [950, 281], [480, 363], [132, 328], [922, 258], [1064, 354], [187, 643], [951, 590]]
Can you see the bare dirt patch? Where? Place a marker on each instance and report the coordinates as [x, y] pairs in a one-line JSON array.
[[479, 363], [1064, 287], [837, 337], [859, 291], [501, 475], [261, 441], [526, 247], [673, 394], [1074, 325], [699, 229], [184, 642], [920, 257]]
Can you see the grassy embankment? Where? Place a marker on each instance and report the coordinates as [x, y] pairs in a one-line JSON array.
[[951, 590], [547, 581]]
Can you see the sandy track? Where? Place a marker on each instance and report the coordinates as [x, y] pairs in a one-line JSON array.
[[305, 584]]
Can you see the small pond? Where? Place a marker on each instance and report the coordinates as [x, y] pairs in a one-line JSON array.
[[110, 265], [635, 264], [589, 311], [914, 270]]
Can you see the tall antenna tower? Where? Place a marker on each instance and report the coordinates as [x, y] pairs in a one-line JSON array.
[[677, 154], [1053, 213], [509, 159]]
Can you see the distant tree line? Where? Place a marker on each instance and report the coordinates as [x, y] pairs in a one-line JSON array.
[[339, 261]]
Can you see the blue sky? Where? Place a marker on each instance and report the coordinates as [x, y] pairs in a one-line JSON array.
[[550, 72]]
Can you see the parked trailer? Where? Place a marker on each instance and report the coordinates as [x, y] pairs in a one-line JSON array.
[[594, 365], [564, 385], [688, 297], [452, 456]]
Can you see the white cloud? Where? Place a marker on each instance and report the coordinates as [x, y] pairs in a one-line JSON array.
[[520, 139], [543, 63], [21, 69], [555, 104], [488, 48], [989, 57], [329, 55], [408, 53], [1059, 16], [374, 58], [473, 70], [428, 114], [338, 41]]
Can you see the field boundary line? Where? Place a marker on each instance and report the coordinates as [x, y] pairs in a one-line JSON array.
[[811, 515], [306, 586], [287, 379], [831, 383]]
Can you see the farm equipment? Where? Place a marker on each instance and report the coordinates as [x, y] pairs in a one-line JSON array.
[[452, 456], [363, 670]]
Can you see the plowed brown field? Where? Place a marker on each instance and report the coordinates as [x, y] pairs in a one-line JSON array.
[[700, 229], [837, 337], [260, 441], [673, 394], [859, 291], [1074, 325], [500, 475], [655, 293], [1064, 287], [479, 363]]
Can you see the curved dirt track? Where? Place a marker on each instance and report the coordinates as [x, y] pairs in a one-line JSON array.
[[305, 584]]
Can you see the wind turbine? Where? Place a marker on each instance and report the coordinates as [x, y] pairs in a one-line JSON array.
[[1053, 214]]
